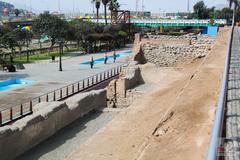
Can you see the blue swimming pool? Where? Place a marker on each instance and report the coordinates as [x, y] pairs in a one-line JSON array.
[[12, 83], [110, 58]]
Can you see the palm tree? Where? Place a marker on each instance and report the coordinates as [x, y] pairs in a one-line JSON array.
[[236, 5], [113, 7], [105, 2], [97, 5], [17, 12]]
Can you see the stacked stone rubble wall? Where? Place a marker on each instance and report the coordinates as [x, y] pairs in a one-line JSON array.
[[168, 51]]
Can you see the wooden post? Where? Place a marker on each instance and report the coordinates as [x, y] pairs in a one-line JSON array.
[[61, 93], [31, 107], [21, 110], [11, 114], [1, 118]]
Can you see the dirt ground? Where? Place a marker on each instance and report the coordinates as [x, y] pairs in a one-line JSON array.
[[172, 122]]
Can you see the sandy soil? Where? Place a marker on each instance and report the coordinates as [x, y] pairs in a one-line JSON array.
[[173, 121]]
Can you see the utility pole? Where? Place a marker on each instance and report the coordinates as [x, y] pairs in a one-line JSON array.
[[73, 8], [143, 8], [93, 7], [26, 5], [30, 5], [137, 7], [188, 6], [59, 6]]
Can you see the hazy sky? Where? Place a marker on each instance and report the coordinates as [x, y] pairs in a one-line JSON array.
[[86, 7]]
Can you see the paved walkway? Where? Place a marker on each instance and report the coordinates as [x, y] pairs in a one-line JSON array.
[[47, 77], [233, 102]]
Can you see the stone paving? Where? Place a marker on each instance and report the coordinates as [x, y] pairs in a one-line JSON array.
[[233, 102], [47, 77]]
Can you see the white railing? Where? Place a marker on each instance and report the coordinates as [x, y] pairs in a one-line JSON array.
[[161, 21]]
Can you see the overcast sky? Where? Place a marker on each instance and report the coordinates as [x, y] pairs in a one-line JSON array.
[[85, 6]]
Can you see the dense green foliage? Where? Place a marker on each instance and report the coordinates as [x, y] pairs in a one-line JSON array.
[[51, 25], [201, 11]]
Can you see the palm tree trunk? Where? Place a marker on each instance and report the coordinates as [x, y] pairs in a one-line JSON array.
[[105, 13]]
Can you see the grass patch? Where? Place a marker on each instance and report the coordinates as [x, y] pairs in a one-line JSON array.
[[43, 56]]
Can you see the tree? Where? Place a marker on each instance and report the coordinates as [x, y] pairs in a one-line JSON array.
[[201, 11], [225, 13], [56, 29], [82, 29], [113, 7], [51, 25], [93, 3], [105, 2], [17, 38], [17, 12], [8, 41], [97, 5], [237, 15], [70, 35], [236, 5], [22, 38]]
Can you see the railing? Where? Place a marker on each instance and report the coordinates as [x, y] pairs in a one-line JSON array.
[[203, 22], [219, 118], [11, 114]]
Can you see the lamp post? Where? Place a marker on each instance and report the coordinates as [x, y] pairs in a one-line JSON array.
[[61, 41]]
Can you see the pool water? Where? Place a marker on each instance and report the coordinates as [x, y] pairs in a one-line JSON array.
[[12, 83], [101, 60]]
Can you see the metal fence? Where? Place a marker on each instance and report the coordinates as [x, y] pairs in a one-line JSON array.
[[219, 118], [36, 51], [11, 114]]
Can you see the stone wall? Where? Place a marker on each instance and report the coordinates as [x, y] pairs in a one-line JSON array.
[[47, 119], [117, 90], [169, 37], [168, 51]]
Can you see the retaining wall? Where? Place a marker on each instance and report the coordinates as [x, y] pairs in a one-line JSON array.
[[117, 89], [168, 51], [47, 119]]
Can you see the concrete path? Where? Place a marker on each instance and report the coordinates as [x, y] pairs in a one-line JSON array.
[[233, 102], [68, 139]]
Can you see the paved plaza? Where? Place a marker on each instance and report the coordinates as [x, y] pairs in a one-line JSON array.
[[47, 78]]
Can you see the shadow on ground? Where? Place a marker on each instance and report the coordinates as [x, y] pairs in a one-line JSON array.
[[63, 136]]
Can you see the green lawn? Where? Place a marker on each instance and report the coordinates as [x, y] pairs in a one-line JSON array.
[[42, 56]]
